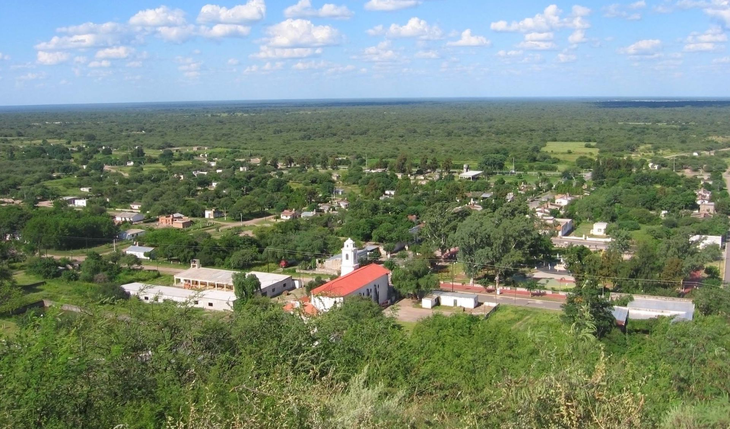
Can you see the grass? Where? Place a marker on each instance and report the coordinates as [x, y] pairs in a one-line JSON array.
[[569, 151]]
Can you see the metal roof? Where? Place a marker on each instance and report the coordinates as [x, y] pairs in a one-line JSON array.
[[213, 275], [139, 249], [179, 293]]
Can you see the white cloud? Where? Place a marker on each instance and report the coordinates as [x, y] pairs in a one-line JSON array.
[[79, 41], [382, 53], [304, 9], [254, 10], [468, 39], [339, 69], [91, 28], [720, 15], [4, 56], [547, 21], [118, 52], [648, 47], [178, 34], [627, 12], [232, 62], [100, 64], [578, 36], [32, 76], [428, 55], [80, 60], [163, 16], [266, 52], [300, 33], [723, 60], [266, 68], [539, 37], [134, 64], [390, 5], [536, 45], [708, 41], [224, 30], [415, 27], [310, 65], [507, 54], [52, 58], [565, 57]]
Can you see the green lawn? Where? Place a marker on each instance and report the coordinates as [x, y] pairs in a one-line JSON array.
[[569, 151]]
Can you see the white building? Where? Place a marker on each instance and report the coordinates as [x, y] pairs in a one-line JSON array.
[[135, 206], [197, 277], [371, 281], [213, 214], [128, 217], [469, 175], [85, 189], [706, 240], [139, 251], [350, 261], [563, 200], [450, 299], [131, 234], [208, 299], [599, 228], [75, 201]]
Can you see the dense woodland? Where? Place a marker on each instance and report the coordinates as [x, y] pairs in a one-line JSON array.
[[121, 362]]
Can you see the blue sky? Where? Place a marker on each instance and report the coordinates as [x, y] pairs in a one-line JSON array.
[[94, 52]]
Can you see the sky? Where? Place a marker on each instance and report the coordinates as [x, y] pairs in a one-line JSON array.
[[90, 51]]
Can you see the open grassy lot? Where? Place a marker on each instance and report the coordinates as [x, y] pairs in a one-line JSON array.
[[569, 151]]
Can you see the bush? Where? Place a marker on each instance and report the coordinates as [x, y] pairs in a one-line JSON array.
[[46, 268]]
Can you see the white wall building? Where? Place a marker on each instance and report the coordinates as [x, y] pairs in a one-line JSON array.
[[213, 214], [131, 234], [128, 217], [371, 281], [139, 251], [706, 240], [197, 277], [350, 261], [208, 299], [450, 299], [599, 228]]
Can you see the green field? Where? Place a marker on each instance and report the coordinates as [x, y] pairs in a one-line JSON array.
[[569, 151]]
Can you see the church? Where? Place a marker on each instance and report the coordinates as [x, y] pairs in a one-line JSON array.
[[371, 281]]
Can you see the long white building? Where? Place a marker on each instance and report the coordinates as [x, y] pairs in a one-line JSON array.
[[197, 277], [219, 300]]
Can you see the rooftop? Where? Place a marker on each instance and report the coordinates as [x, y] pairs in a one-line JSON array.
[[134, 231], [139, 249], [470, 173], [128, 215], [214, 275], [180, 293], [349, 283]]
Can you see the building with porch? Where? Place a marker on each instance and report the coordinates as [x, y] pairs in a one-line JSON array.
[[197, 277]]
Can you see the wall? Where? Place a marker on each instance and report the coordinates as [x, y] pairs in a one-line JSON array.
[[379, 285], [452, 301], [278, 288]]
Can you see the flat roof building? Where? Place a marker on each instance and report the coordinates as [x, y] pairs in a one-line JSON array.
[[208, 299], [197, 277]]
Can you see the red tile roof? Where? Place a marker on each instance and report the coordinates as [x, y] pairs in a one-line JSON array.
[[349, 283]]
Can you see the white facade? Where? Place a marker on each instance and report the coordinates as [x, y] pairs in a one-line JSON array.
[[210, 278], [706, 240], [430, 301], [213, 214], [563, 201], [458, 300], [349, 258], [207, 299], [81, 202], [599, 228], [129, 217], [139, 251], [131, 234], [376, 289]]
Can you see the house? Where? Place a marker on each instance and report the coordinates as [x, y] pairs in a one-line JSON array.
[[706, 240], [131, 234], [75, 201], [197, 277], [450, 299], [563, 200], [135, 206], [141, 252], [289, 214], [219, 300], [85, 189], [469, 175], [562, 226], [130, 163], [371, 281], [339, 191], [176, 220], [128, 217], [653, 166], [599, 228], [308, 214], [213, 214], [648, 307]]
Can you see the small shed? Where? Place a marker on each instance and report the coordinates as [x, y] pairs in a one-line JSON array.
[[453, 299], [141, 252], [430, 301]]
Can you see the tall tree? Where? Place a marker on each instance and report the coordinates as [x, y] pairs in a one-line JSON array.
[[502, 241], [414, 278], [441, 222], [586, 309], [245, 287]]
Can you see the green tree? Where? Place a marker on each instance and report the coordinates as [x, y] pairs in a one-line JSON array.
[[414, 278], [441, 222], [245, 287], [10, 293], [586, 310], [503, 241]]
